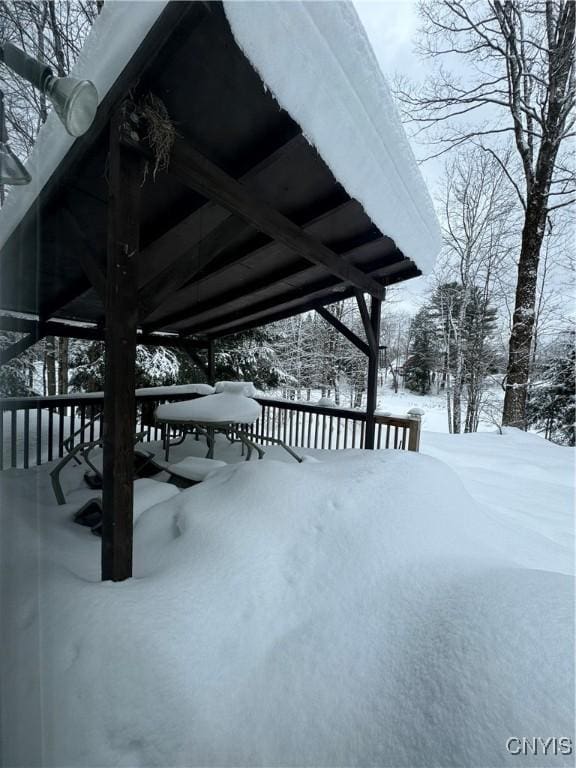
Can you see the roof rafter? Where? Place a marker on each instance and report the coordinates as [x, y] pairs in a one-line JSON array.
[[323, 285], [185, 262], [250, 321], [202, 175], [264, 252]]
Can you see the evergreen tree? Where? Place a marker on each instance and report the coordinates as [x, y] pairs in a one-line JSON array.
[[17, 374], [250, 356], [423, 353], [154, 366], [551, 407]]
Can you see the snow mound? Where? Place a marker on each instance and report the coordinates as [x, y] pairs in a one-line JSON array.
[[349, 613], [148, 493], [246, 388]]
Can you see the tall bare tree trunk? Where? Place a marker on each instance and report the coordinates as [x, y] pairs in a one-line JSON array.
[[50, 365], [62, 366], [519, 354]]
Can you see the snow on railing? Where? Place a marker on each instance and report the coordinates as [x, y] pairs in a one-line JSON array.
[[36, 430]]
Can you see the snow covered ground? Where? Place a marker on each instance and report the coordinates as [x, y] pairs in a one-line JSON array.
[[382, 609]]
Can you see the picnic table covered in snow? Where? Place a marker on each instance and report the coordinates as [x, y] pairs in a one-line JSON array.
[[225, 412]]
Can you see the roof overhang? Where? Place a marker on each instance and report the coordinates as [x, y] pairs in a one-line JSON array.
[[284, 193]]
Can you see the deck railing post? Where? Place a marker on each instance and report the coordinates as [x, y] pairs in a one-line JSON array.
[[372, 388]]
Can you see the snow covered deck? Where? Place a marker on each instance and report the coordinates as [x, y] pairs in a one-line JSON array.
[[383, 608], [281, 182]]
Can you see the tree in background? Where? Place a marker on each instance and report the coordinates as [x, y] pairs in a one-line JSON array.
[[395, 335], [250, 356], [52, 32], [464, 322], [552, 408], [247, 356], [423, 354], [517, 89], [17, 375], [477, 233], [155, 366]]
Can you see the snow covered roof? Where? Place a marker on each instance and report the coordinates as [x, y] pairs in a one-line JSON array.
[[316, 61], [321, 69]]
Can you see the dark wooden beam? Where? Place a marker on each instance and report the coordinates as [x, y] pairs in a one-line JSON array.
[[125, 176], [15, 349], [372, 384], [86, 254], [49, 328], [157, 291], [54, 305], [365, 315], [170, 261], [248, 322], [265, 253], [343, 329], [198, 172], [302, 293], [90, 332]]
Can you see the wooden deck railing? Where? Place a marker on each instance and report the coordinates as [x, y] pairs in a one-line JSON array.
[[36, 430]]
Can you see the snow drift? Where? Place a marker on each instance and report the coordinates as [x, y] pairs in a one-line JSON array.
[[351, 612]]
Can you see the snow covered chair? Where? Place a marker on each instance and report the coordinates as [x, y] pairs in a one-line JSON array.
[[93, 475], [147, 493], [189, 471]]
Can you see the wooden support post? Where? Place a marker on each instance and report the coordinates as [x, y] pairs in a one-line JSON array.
[[371, 398], [211, 364], [125, 179]]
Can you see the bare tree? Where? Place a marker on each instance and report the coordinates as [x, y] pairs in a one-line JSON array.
[[478, 218], [53, 33], [517, 89]]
